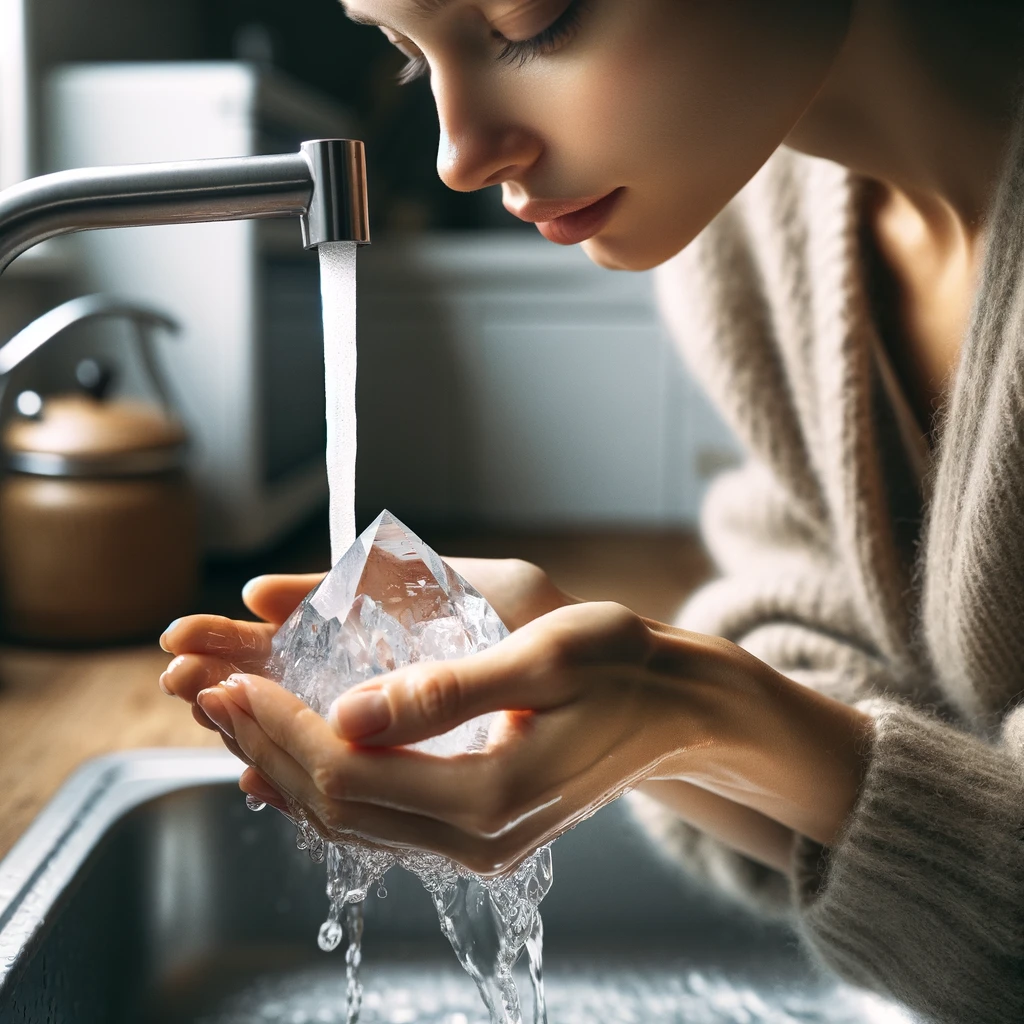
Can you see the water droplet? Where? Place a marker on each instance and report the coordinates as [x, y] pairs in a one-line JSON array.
[[253, 803], [330, 935], [381, 892]]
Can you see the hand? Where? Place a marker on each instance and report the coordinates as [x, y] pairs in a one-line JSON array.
[[591, 700], [210, 648], [584, 712]]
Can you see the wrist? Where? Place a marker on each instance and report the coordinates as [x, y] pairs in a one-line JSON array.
[[750, 734]]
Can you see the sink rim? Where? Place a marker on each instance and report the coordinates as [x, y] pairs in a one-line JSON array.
[[46, 858]]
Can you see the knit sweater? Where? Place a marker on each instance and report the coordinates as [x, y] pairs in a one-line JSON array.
[[838, 572]]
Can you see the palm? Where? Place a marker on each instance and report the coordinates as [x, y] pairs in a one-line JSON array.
[[518, 591]]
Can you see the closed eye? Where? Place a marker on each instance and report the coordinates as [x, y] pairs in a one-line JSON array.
[[560, 32], [517, 52]]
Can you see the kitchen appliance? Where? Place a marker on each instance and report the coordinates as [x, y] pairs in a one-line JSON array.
[[98, 523], [15, 93]]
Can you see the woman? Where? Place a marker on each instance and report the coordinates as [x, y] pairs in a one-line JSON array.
[[834, 192]]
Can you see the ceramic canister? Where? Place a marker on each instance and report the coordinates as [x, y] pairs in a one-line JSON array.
[[99, 536]]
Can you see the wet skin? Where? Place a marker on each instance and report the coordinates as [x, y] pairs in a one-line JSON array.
[[673, 105], [642, 701]]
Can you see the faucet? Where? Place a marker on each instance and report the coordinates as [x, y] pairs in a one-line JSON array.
[[324, 185]]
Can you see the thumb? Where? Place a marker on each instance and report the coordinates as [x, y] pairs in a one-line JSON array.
[[273, 598], [524, 672]]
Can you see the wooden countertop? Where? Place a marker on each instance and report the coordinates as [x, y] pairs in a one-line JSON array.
[[60, 707]]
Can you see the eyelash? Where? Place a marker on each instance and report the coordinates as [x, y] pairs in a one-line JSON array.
[[518, 52]]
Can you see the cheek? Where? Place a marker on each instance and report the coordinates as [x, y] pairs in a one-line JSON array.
[[682, 109]]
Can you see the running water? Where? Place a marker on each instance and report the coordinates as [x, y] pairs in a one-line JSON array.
[[338, 295], [489, 922]]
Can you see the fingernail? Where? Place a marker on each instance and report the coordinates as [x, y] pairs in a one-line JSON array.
[[166, 675], [163, 636], [247, 589], [236, 686], [213, 707], [362, 714]]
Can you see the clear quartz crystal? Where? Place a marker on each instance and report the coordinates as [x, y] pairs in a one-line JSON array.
[[391, 601]]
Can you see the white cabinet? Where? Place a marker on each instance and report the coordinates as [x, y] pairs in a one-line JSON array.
[[504, 380]]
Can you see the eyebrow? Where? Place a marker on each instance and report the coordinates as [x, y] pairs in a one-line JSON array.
[[425, 6]]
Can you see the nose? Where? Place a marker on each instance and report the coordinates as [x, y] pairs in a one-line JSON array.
[[479, 145]]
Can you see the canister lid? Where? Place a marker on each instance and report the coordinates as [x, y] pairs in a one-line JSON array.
[[83, 436]]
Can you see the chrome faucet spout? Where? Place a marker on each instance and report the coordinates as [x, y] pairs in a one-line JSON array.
[[324, 185]]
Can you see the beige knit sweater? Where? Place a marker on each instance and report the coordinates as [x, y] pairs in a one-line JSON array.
[[837, 572]]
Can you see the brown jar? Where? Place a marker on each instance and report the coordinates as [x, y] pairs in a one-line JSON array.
[[99, 537]]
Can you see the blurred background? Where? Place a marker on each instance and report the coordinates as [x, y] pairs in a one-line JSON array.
[[504, 383]]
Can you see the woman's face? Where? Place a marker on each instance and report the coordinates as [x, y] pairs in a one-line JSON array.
[[649, 114]]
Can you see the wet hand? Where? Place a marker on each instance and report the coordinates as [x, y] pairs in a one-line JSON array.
[[583, 712], [209, 648]]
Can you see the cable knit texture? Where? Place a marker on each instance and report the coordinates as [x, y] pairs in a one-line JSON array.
[[842, 576]]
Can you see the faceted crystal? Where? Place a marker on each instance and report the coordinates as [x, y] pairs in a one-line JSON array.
[[391, 601]]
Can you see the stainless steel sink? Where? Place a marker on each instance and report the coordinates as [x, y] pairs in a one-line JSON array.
[[146, 891]]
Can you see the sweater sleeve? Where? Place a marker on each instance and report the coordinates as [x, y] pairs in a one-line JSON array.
[[922, 896]]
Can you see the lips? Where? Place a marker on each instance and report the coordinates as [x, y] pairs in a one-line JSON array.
[[569, 222]]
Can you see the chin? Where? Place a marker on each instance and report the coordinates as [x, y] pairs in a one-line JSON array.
[[620, 253]]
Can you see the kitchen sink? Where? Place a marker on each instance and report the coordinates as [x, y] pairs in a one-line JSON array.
[[147, 891]]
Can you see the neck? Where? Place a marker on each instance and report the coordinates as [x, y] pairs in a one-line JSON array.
[[920, 100]]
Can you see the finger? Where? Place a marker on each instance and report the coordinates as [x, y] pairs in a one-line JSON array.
[[274, 597], [368, 824], [242, 733], [468, 812], [247, 644], [535, 669], [431, 698], [204, 719], [461, 790], [187, 674]]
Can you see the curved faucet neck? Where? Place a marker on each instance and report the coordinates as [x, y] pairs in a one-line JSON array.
[[324, 185]]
